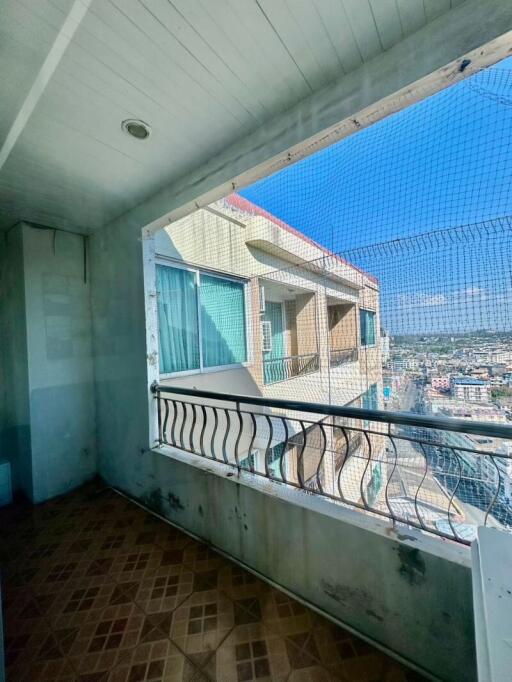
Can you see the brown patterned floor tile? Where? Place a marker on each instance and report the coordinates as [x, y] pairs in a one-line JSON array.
[[200, 557], [84, 596], [302, 650], [94, 582], [19, 604], [312, 674], [250, 652], [55, 670], [156, 626], [54, 575], [201, 623], [238, 583], [98, 640], [350, 657], [165, 589], [156, 662], [29, 643], [206, 580], [21, 575], [169, 537], [283, 615], [136, 564]]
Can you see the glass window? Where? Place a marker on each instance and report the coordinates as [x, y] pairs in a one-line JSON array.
[[177, 319], [201, 320], [222, 321], [370, 398], [367, 323]]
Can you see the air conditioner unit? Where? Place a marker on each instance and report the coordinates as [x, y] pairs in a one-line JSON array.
[[266, 336], [262, 299]]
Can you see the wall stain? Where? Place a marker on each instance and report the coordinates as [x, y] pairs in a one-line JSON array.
[[351, 597], [153, 500], [412, 565], [372, 614], [403, 536], [200, 510], [174, 502]]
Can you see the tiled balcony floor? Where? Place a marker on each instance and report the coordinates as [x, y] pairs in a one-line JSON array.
[[95, 589]]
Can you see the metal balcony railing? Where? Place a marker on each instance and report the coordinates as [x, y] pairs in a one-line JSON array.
[[338, 357], [430, 473], [282, 369]]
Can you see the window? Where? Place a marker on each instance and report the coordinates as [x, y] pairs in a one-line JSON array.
[[367, 323], [201, 320], [370, 398]]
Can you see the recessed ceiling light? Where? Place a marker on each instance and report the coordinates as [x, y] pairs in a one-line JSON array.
[[136, 128]]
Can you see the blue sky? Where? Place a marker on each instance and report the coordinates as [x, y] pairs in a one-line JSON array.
[[444, 163]]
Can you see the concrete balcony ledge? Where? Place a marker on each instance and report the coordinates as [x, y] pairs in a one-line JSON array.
[[403, 591]]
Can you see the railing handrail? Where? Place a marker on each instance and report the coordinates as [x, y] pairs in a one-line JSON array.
[[399, 418], [290, 357]]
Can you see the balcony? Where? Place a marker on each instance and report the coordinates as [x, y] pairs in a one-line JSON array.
[[282, 369], [342, 356], [95, 588], [422, 472]]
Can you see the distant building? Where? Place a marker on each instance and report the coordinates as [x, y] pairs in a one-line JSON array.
[[440, 383], [470, 390], [403, 364], [500, 356], [384, 345]]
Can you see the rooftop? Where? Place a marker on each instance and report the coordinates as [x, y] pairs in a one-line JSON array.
[[96, 588]]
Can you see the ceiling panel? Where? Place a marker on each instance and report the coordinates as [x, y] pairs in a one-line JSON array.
[[412, 15], [201, 73], [387, 21], [363, 24]]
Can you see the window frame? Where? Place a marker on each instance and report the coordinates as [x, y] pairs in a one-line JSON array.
[[247, 318], [374, 313]]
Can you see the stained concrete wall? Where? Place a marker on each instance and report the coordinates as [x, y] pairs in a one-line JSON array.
[[14, 392], [49, 427], [408, 593]]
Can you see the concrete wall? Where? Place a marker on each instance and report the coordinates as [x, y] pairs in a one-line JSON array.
[[59, 345], [48, 422], [14, 391], [410, 594]]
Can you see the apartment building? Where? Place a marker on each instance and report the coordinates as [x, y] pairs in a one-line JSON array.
[[249, 305], [470, 389]]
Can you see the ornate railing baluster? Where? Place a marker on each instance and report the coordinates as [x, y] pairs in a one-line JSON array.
[[323, 448], [253, 437], [164, 428], [226, 433], [268, 448], [214, 432], [428, 481], [203, 429], [418, 515], [239, 435], [285, 449], [192, 428], [174, 420], [495, 496]]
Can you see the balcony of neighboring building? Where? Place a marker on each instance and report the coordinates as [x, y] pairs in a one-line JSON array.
[[289, 332], [343, 333]]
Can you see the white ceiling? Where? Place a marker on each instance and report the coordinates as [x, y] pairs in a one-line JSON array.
[[202, 73]]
